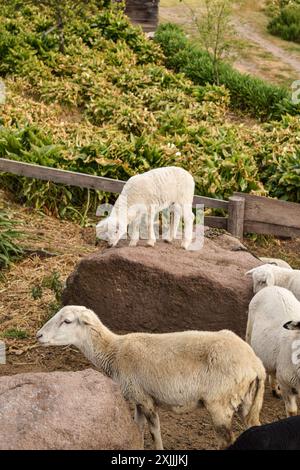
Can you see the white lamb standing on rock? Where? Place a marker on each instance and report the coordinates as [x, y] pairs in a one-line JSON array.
[[149, 193], [177, 371], [269, 310], [271, 275]]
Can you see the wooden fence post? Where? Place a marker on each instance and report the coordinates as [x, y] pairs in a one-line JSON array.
[[236, 211]]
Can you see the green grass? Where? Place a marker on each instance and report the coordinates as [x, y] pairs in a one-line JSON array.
[[14, 333]]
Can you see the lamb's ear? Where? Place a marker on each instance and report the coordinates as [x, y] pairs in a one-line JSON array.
[[292, 325], [270, 280], [101, 229], [249, 273]]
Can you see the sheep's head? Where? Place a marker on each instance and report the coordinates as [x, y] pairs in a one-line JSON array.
[[263, 276], [109, 230], [68, 326]]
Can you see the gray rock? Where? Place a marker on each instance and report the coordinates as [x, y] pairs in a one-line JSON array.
[[64, 410], [166, 288]]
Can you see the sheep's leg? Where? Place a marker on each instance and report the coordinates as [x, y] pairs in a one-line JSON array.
[[176, 220], [290, 400], [252, 403], [276, 392], [135, 233], [151, 233], [154, 427], [188, 218], [175, 216], [221, 416], [140, 420], [249, 329]]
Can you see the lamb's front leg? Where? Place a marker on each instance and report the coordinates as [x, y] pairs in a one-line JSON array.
[[140, 420], [289, 396], [154, 426], [135, 232]]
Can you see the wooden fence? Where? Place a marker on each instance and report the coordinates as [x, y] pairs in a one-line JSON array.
[[246, 213], [268, 216]]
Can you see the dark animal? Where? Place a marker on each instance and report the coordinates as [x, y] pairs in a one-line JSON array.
[[280, 435]]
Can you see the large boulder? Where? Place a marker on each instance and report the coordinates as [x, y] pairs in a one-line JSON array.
[[64, 410], [166, 288]]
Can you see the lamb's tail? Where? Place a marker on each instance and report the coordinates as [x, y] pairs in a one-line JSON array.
[[253, 401]]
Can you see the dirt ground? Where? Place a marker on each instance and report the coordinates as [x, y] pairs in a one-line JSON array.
[[20, 311], [187, 431]]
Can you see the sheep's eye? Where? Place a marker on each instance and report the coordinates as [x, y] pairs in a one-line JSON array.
[[67, 321]]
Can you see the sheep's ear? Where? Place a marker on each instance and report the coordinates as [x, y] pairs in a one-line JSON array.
[[270, 281], [292, 325], [249, 273]]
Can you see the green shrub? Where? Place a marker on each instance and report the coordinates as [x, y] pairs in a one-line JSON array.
[[247, 93], [287, 23], [9, 236]]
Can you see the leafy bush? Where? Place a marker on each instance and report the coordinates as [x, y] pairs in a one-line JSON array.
[[108, 107], [9, 248], [247, 93], [287, 23], [276, 151]]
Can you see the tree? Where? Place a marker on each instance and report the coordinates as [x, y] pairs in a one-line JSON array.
[[215, 30]]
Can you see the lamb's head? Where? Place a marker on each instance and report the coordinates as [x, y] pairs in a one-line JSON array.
[[68, 326], [109, 230], [263, 276]]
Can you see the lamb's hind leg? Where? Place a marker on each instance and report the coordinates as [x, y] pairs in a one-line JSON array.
[[175, 215], [188, 218], [221, 415]]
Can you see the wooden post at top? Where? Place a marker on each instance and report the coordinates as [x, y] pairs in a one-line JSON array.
[[236, 212], [143, 13]]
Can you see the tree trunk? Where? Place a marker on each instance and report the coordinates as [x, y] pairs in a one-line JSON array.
[[143, 13]]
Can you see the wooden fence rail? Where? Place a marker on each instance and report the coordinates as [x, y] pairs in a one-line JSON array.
[[246, 213], [270, 216]]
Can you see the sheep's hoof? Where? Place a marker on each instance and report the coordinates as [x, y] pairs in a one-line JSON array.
[[133, 242], [168, 240], [151, 243], [276, 394], [185, 245]]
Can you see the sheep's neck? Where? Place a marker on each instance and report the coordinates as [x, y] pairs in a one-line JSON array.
[[120, 207], [99, 348]]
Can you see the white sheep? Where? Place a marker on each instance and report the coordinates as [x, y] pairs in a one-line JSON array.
[[177, 371], [269, 310], [277, 261], [271, 275], [147, 194]]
